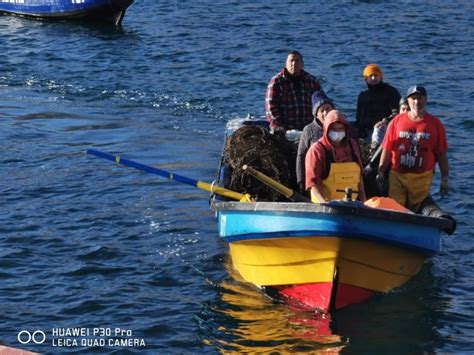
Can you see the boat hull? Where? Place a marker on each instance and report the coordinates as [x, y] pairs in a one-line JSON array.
[[326, 256], [87, 10]]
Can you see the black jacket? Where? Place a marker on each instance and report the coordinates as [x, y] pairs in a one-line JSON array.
[[375, 104]]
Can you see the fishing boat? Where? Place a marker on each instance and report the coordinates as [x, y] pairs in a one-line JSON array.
[[322, 256], [86, 10], [330, 255]]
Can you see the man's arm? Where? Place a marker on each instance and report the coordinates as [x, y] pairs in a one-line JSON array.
[[395, 99], [303, 147], [314, 164], [384, 160], [443, 164], [380, 179], [444, 169], [272, 104]]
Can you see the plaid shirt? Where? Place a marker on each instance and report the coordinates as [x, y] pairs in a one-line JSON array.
[[288, 101]]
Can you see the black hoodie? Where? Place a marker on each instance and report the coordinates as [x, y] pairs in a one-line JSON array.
[[375, 104]]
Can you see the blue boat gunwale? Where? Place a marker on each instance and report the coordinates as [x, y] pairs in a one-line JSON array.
[[336, 208]]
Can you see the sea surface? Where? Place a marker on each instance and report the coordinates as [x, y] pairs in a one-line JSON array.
[[89, 246]]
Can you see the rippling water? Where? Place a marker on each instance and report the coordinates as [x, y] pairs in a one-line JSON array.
[[87, 244]]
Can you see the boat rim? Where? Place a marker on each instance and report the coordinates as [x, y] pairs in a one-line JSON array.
[[335, 208]]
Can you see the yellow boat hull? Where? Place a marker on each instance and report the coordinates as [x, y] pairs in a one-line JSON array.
[[299, 260]]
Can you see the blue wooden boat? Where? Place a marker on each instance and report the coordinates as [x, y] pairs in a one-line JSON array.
[[330, 255], [86, 10]]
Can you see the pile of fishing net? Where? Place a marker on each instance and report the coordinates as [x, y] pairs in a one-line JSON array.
[[271, 154]]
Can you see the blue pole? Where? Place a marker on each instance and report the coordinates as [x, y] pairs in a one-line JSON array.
[[185, 180], [146, 168]]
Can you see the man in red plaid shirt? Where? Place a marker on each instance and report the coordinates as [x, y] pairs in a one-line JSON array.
[[288, 100]]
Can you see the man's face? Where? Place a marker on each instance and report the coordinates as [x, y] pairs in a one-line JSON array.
[[373, 79], [294, 64], [404, 108], [417, 103], [323, 110]]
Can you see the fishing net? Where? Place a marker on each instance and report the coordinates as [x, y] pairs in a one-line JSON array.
[[271, 154]]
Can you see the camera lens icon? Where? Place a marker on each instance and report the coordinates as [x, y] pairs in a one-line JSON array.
[[26, 337]]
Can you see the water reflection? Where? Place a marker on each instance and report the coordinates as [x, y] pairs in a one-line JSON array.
[[246, 320], [407, 320]]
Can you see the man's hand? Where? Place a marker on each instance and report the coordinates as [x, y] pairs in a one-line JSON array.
[[380, 181], [444, 187], [278, 132]]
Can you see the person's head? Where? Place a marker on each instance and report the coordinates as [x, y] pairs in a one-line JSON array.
[[294, 63], [373, 75], [403, 105], [321, 105], [417, 98], [336, 127]]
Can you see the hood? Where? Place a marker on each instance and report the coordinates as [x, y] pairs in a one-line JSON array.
[[332, 117]]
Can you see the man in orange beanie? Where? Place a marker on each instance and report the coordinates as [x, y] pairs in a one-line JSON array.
[[376, 103]]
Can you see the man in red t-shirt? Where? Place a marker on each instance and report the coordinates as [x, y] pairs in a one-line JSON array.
[[414, 142]]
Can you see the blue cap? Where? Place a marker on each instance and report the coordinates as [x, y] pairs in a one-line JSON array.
[[318, 99], [416, 89]]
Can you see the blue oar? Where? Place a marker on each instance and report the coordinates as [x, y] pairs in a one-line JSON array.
[[185, 180]]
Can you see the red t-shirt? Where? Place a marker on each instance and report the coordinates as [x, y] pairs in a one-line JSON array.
[[414, 146]]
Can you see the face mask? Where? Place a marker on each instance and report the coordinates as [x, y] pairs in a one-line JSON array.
[[336, 136]]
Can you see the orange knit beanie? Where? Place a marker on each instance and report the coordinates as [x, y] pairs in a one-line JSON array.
[[372, 69]]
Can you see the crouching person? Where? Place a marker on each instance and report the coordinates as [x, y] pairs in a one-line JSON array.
[[334, 162]]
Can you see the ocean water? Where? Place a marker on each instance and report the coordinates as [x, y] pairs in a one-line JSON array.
[[90, 246]]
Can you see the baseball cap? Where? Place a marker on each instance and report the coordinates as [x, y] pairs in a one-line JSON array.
[[416, 89]]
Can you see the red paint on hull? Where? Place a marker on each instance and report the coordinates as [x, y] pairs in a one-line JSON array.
[[320, 295], [313, 295]]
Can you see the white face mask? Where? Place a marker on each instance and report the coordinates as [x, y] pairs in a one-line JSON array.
[[336, 136]]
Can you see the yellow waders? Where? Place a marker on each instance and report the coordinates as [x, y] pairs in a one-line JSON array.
[[341, 175], [410, 189]]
